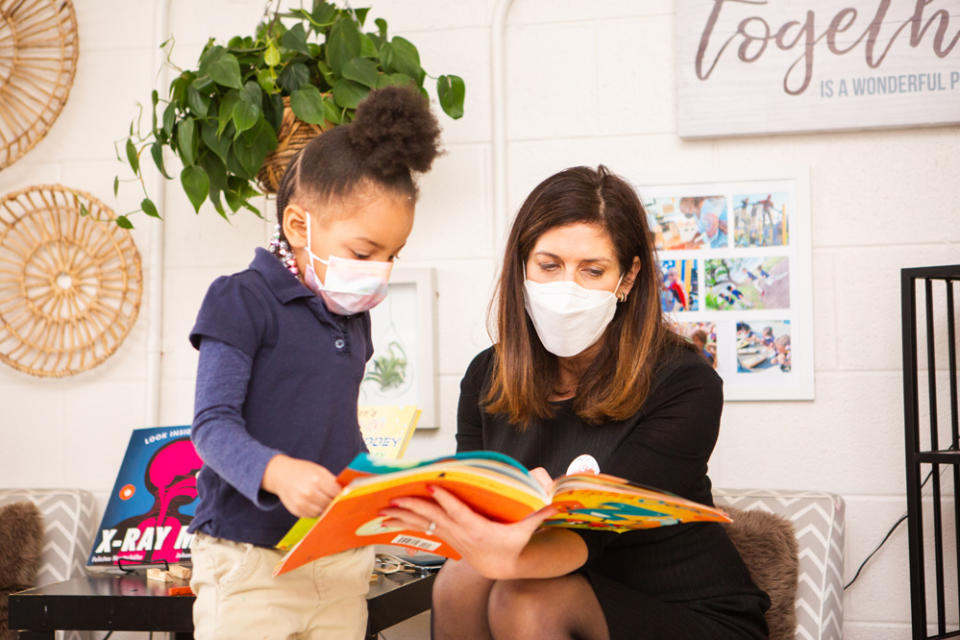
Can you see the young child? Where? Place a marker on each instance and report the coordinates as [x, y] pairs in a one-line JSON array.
[[283, 347]]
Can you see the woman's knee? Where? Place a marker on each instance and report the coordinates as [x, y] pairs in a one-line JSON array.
[[515, 602], [458, 581]]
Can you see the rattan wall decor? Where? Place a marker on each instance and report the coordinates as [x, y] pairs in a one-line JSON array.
[[38, 59], [70, 281]]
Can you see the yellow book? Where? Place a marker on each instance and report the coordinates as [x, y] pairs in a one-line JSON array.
[[387, 428]]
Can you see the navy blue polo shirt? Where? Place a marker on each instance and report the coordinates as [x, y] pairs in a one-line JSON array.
[[305, 366]]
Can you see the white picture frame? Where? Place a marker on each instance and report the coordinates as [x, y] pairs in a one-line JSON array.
[[741, 281], [402, 370]]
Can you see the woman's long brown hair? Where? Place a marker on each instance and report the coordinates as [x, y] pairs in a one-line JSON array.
[[615, 385]]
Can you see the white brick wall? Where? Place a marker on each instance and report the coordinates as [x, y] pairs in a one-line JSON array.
[[588, 82]]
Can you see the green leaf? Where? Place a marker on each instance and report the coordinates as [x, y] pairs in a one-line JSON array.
[[348, 93], [116, 185], [307, 104], [123, 222], [199, 104], [381, 27], [266, 80], [178, 88], [326, 72], [187, 141], [451, 90], [368, 48], [217, 173], [323, 12], [361, 70], [203, 83], [196, 184], [132, 158], [221, 66], [253, 146], [343, 44], [169, 117], [402, 57], [294, 76], [361, 14], [386, 80], [330, 110], [225, 114], [273, 110], [248, 109], [149, 208], [83, 210], [234, 166], [220, 145], [272, 55], [295, 39], [156, 150], [154, 97]]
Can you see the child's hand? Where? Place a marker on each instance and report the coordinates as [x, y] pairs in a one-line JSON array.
[[305, 488]]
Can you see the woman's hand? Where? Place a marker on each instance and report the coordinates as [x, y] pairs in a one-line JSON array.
[[493, 549], [305, 488]]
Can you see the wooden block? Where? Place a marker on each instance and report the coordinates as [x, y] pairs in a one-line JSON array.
[[158, 575], [180, 572]]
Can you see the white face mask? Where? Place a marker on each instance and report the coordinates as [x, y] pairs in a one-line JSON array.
[[352, 286], [568, 318]]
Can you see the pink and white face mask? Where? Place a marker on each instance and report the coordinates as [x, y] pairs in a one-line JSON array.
[[352, 286]]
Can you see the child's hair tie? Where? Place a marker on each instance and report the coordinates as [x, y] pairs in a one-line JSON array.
[[280, 248]]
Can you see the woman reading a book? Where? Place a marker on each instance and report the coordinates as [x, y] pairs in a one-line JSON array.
[[585, 363]]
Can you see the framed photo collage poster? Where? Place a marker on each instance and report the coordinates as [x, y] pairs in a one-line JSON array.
[[735, 278]]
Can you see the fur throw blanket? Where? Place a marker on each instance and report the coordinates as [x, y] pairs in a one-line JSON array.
[[21, 543], [768, 544]]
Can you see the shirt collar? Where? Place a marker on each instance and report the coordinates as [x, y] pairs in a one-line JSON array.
[[284, 285]]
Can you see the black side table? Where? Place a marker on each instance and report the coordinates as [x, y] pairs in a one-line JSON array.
[[133, 603]]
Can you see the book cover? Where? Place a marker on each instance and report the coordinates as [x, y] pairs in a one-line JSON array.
[[492, 484], [153, 501]]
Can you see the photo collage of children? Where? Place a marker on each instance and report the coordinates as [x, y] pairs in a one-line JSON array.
[[726, 253]]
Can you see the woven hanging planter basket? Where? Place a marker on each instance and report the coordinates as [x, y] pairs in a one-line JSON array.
[[294, 135], [70, 284], [38, 59]]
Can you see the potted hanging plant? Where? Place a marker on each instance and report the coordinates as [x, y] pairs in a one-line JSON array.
[[249, 105]]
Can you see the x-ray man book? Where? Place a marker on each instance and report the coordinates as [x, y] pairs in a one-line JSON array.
[[492, 484]]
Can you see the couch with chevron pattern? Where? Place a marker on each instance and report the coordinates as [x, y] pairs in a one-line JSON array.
[[817, 518], [69, 522]]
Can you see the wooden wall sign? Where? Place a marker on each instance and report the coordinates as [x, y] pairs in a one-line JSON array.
[[778, 66]]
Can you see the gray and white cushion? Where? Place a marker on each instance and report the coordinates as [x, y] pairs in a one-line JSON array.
[[69, 522], [818, 519]]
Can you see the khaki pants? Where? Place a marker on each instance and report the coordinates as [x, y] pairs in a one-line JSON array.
[[238, 598]]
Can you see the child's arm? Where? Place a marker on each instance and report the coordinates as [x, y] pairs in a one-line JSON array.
[[221, 438]]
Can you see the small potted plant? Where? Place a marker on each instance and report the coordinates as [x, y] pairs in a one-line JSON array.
[[237, 118]]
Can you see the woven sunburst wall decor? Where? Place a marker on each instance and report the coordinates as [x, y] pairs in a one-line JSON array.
[[38, 59], [70, 281]]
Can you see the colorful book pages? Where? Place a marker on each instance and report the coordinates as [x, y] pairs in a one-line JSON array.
[[490, 483]]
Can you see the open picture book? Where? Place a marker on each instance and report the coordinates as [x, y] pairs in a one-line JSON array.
[[492, 484]]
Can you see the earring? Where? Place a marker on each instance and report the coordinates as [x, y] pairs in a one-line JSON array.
[[280, 248], [621, 296]]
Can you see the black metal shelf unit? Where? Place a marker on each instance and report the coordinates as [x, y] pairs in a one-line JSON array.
[[944, 448]]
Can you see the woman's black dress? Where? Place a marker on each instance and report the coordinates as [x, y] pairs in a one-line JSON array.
[[682, 581]]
